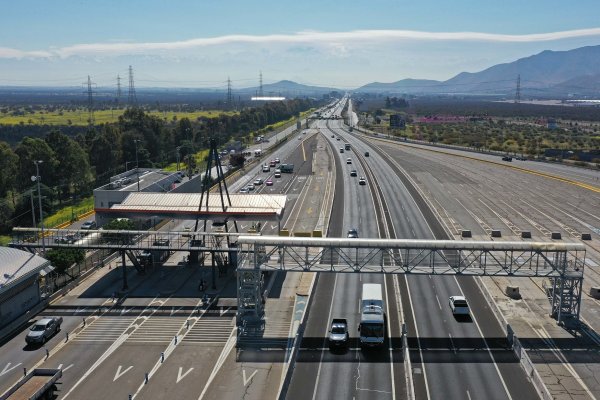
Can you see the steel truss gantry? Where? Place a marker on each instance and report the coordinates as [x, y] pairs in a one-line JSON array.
[[562, 262]]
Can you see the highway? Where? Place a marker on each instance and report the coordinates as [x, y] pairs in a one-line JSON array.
[[412, 191]]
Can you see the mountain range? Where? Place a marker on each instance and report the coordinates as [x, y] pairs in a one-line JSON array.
[[549, 73]]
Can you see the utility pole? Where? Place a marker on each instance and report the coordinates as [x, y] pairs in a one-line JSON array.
[[137, 164], [118, 89], [229, 95], [37, 179], [132, 99], [260, 86], [90, 94], [518, 93]]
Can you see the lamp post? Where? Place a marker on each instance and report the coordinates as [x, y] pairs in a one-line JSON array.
[[37, 179], [137, 165], [178, 148]]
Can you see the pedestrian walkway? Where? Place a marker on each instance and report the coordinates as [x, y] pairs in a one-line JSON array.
[[157, 330], [210, 331], [104, 329]]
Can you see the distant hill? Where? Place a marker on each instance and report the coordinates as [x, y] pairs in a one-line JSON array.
[[549, 72], [288, 89], [404, 85]]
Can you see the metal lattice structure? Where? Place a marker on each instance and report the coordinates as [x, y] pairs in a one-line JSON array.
[[562, 262]]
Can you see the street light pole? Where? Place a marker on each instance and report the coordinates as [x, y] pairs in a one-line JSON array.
[[137, 165], [37, 178]]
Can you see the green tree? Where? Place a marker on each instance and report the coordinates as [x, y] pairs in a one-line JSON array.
[[62, 259], [73, 166], [8, 168], [30, 150]]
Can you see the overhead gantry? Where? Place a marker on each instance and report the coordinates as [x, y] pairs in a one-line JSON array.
[[563, 263]]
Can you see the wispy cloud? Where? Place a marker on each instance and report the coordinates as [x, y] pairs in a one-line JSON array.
[[306, 37]]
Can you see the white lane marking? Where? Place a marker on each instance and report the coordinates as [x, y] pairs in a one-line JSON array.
[[452, 341], [387, 307], [8, 369], [438, 301], [412, 309], [60, 366], [174, 310], [119, 373], [223, 310], [486, 345], [468, 395], [246, 381], [326, 331], [180, 376], [230, 345]]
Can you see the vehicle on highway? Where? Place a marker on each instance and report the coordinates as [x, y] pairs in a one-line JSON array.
[[353, 173], [277, 173], [250, 187], [372, 317], [332, 136], [272, 163], [341, 149], [40, 383], [353, 233], [266, 168], [257, 152], [347, 146], [89, 225], [67, 239], [338, 334], [286, 168], [269, 182], [244, 190], [348, 161], [188, 231], [507, 158], [366, 154], [459, 305], [338, 138], [258, 181], [43, 330], [277, 160], [362, 181]]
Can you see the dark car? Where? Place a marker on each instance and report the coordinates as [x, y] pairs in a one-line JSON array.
[[353, 233], [366, 154], [353, 173], [362, 181], [507, 158]]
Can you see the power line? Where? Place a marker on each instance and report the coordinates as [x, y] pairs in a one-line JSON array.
[[132, 99], [229, 95], [90, 105], [118, 99]]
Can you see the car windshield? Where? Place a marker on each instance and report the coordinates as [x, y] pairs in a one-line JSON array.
[[460, 303], [337, 329], [37, 328], [371, 330]]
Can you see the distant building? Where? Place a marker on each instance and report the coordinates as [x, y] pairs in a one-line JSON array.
[[397, 121], [551, 123]]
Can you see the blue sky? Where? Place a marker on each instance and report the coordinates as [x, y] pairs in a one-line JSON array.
[[199, 43]]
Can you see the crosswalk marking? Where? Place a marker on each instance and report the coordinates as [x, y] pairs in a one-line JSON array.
[[209, 330]]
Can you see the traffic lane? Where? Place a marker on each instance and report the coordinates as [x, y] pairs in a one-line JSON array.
[[184, 373], [119, 375], [306, 363], [16, 354]]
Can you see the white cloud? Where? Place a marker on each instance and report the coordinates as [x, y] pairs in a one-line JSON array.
[[305, 37]]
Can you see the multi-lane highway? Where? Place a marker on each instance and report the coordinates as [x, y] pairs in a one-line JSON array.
[[411, 192]]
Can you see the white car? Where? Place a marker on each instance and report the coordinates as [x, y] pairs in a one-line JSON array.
[[258, 181], [459, 305]]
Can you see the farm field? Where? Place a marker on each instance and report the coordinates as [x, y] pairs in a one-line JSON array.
[[79, 117]]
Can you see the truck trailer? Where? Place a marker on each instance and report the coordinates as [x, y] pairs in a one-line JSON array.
[[38, 384], [372, 317]]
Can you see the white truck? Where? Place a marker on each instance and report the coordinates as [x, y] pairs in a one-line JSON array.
[[372, 317]]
